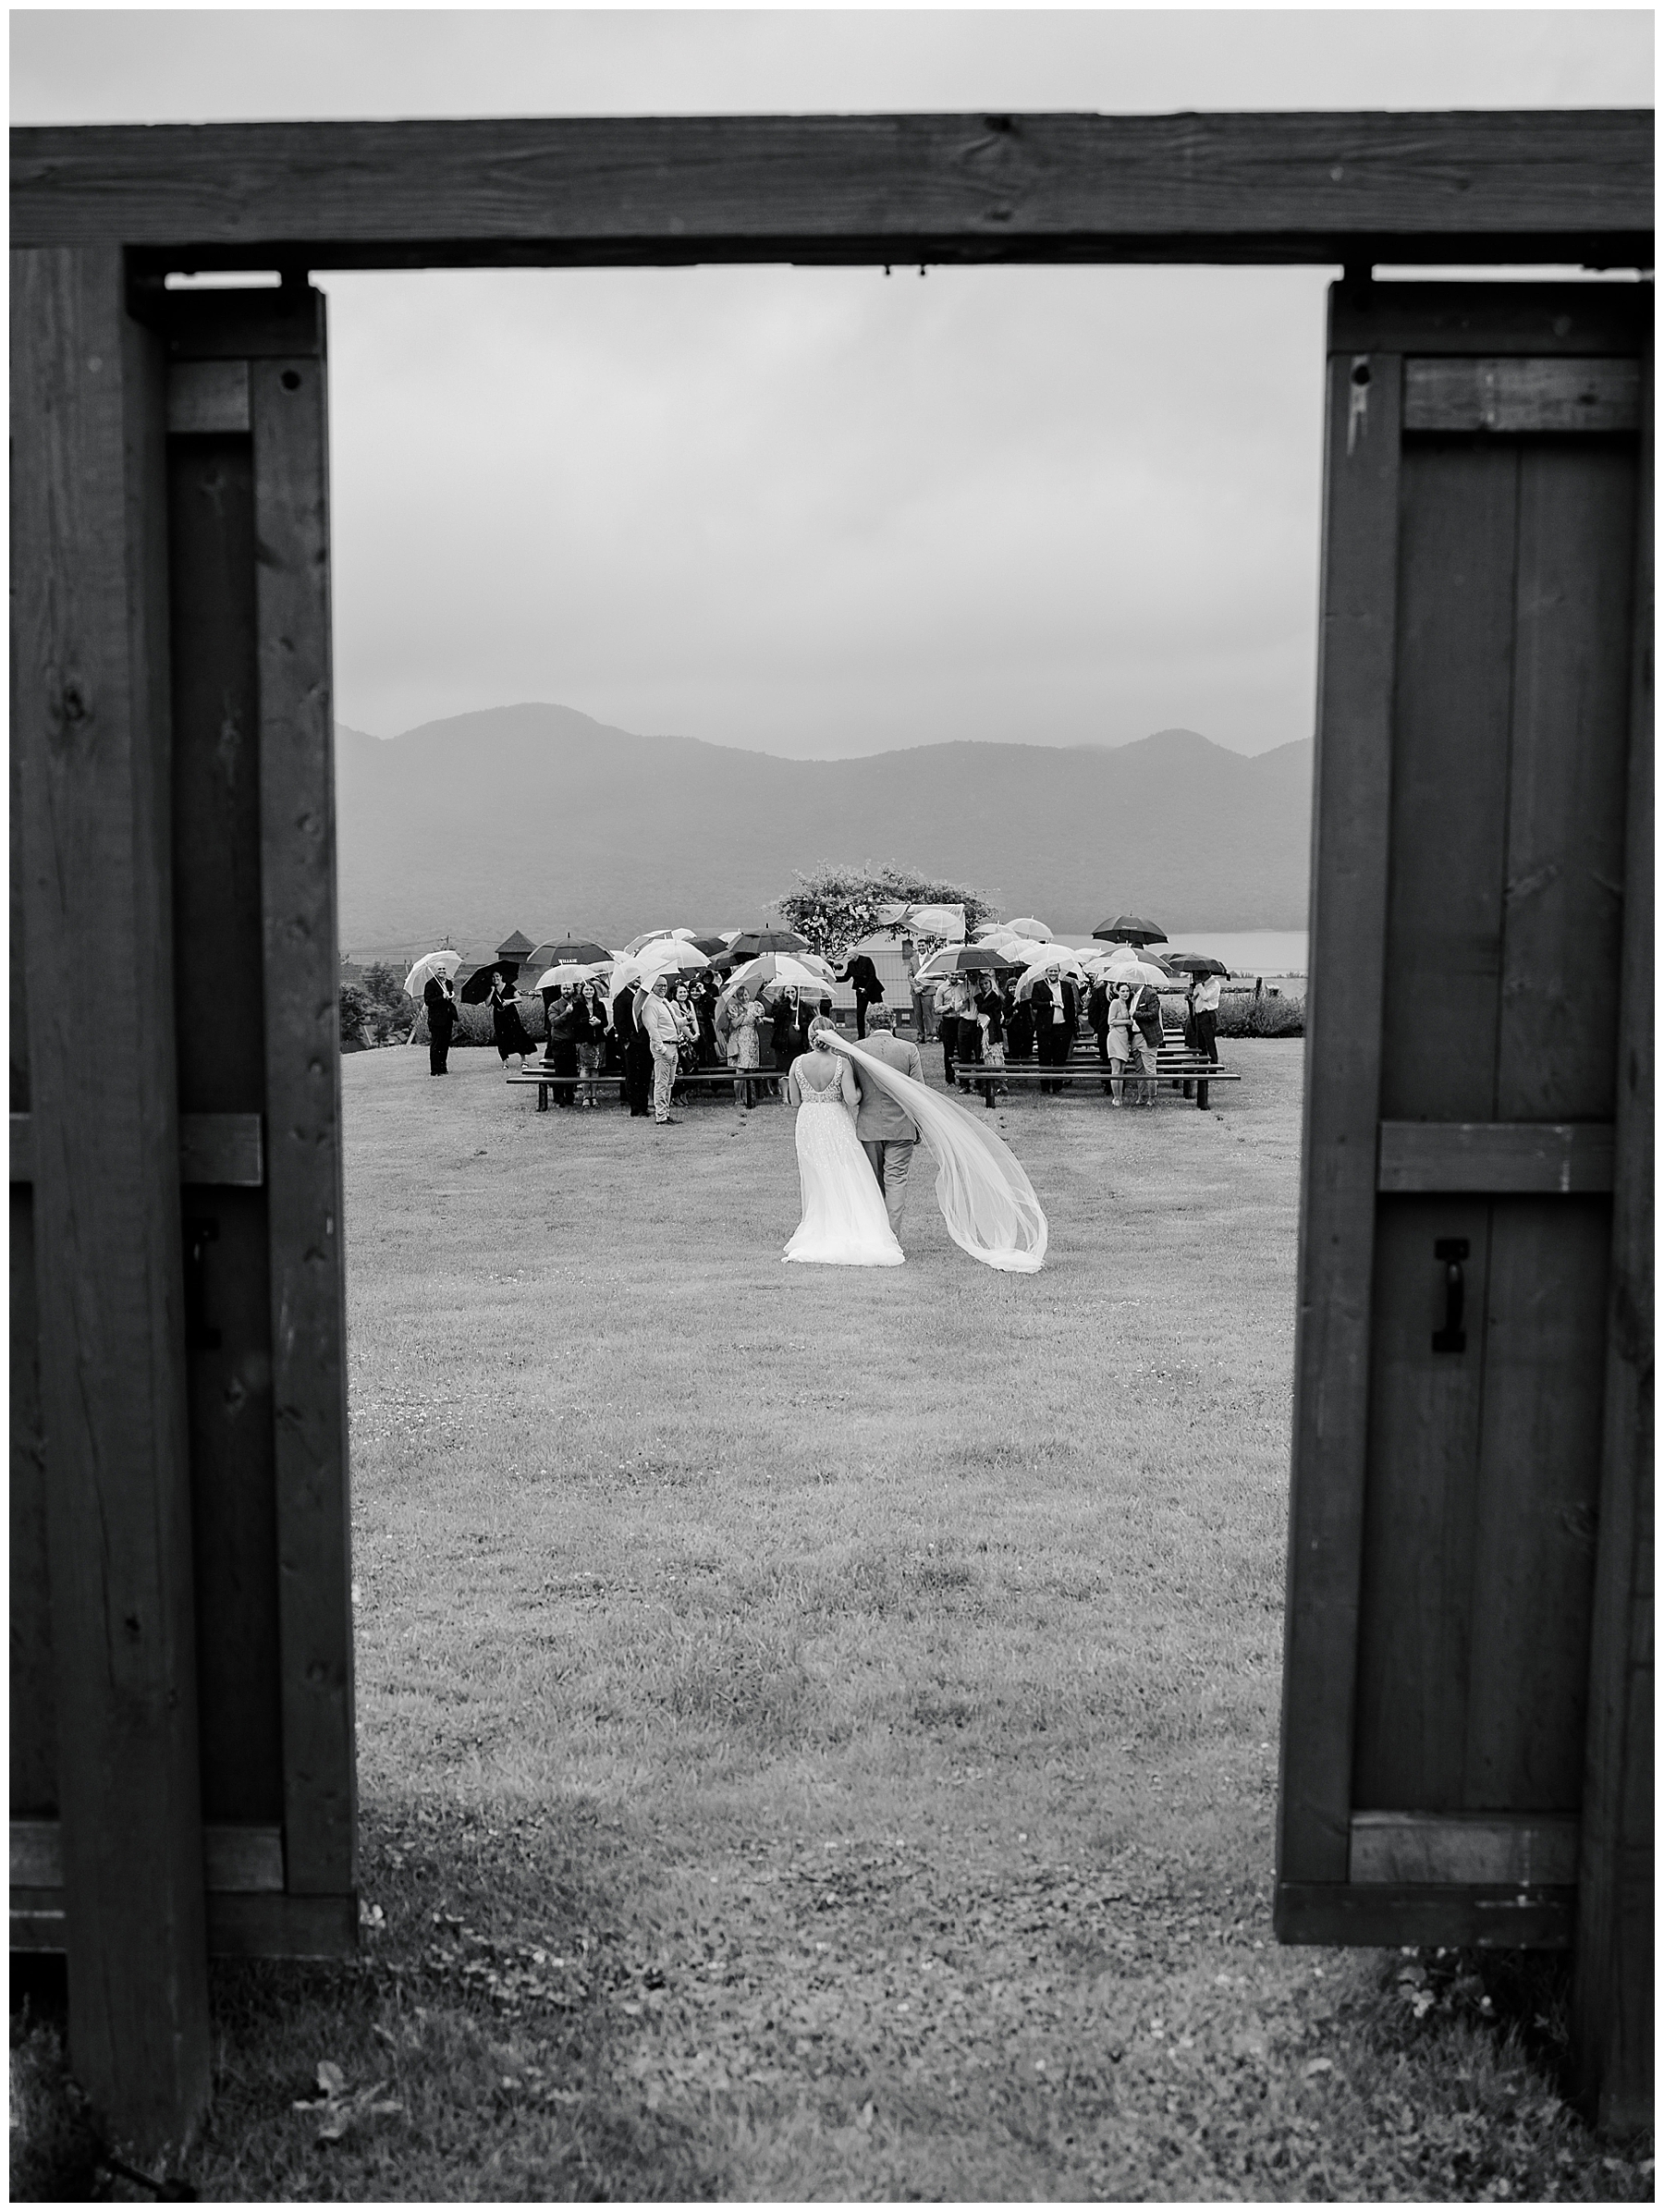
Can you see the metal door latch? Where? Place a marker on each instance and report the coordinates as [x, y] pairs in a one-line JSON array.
[[1452, 1250], [199, 1234]]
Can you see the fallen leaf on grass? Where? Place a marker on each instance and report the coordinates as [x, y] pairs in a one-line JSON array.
[[340, 2108], [1317, 2066]]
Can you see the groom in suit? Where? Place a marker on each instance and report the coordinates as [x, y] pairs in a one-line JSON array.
[[882, 1126]]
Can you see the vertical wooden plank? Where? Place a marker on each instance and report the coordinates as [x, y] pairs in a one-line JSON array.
[[1537, 1476], [1612, 1990], [296, 784], [1416, 1625], [1563, 924], [1449, 778], [89, 643], [1337, 1200], [219, 991]]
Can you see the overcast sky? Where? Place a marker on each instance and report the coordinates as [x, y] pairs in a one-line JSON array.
[[825, 512]]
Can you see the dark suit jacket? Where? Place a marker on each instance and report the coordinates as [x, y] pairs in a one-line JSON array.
[[863, 977], [1040, 998]]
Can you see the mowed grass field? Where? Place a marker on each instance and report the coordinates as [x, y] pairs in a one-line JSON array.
[[817, 1727]]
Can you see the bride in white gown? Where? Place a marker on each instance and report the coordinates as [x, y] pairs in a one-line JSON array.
[[986, 1197], [844, 1222]]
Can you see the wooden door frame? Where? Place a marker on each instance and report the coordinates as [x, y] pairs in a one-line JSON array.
[[99, 217]]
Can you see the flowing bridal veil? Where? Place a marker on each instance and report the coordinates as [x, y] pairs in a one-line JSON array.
[[987, 1201]]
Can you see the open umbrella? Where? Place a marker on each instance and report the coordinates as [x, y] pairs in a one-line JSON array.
[[444, 962], [1026, 926], [585, 951], [477, 989], [1132, 929], [667, 954], [1055, 956], [568, 971], [1193, 963], [964, 959], [646, 938], [775, 971], [753, 942], [1136, 971], [714, 949]]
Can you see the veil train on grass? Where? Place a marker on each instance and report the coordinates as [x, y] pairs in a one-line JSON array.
[[986, 1198]]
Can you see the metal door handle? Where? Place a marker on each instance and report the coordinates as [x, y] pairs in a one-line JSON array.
[[1452, 1250], [199, 1234]]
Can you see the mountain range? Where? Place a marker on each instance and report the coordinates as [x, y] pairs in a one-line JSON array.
[[538, 818]]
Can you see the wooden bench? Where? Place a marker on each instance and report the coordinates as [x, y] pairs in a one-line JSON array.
[[703, 1079], [1176, 1064]]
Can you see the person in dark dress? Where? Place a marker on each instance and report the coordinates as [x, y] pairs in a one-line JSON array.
[[863, 979], [566, 1030], [1097, 1019], [637, 1054], [990, 1015], [785, 1035], [508, 1031], [440, 1000], [1020, 1025]]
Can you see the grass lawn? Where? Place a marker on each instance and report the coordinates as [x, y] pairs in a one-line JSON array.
[[817, 1727]]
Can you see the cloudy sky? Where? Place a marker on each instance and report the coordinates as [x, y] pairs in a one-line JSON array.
[[826, 512]]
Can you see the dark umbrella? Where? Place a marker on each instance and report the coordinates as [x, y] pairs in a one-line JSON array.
[[972, 958], [713, 947], [1194, 963], [582, 950], [477, 989], [1130, 929], [758, 941]]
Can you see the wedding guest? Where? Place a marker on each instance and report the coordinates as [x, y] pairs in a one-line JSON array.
[[508, 1031], [1097, 1016], [1020, 1025], [967, 1048], [1120, 1040], [1056, 1010], [1205, 1015], [658, 1022], [1146, 1018], [917, 992], [560, 1053], [744, 1020], [635, 1051], [439, 997], [687, 1025], [947, 1000], [784, 1034], [591, 1025], [990, 1015], [861, 975]]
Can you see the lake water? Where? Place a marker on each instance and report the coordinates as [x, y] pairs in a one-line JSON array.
[[1244, 951]]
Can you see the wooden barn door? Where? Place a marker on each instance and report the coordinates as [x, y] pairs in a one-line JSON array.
[[1473, 1276], [183, 1755]]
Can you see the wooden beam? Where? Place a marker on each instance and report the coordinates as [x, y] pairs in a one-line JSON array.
[[1350, 816], [1343, 188], [1508, 396], [89, 652], [304, 1116], [1386, 1914], [1612, 1989], [1526, 1850], [242, 1924], [223, 1149], [1545, 1158], [233, 1857]]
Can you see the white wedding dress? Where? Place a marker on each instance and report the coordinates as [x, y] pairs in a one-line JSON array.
[[844, 1223]]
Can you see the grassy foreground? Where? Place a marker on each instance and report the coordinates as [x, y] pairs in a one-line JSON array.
[[817, 1727]]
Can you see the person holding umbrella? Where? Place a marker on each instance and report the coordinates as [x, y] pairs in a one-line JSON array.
[[635, 1050], [1205, 1015], [658, 1022], [1146, 1016], [590, 1023], [1056, 1010], [566, 1031], [744, 1019], [508, 1031], [440, 1000]]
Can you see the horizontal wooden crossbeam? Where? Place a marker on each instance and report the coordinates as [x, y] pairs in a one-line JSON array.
[[1543, 186], [1548, 1158]]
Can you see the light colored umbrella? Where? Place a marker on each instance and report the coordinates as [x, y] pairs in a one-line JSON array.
[[1136, 971], [646, 938], [570, 972], [1026, 926], [1059, 956], [775, 971], [937, 921], [665, 955], [442, 962]]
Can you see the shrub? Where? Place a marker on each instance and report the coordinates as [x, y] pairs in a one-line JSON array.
[[836, 907], [354, 1014], [1241, 1016]]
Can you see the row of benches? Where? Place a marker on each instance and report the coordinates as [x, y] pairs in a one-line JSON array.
[[1176, 1065]]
